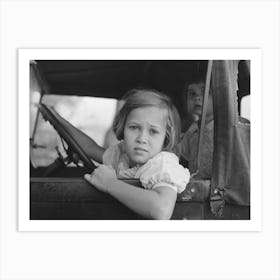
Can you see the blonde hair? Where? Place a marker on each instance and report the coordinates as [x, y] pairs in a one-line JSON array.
[[139, 98]]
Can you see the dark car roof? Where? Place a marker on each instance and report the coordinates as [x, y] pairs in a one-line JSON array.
[[112, 78]]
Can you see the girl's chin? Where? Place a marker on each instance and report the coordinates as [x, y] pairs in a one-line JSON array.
[[139, 160]]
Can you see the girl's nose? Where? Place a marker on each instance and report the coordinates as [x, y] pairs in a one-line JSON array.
[[142, 136]]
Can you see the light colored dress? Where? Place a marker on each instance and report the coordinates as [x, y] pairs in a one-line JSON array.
[[161, 170]]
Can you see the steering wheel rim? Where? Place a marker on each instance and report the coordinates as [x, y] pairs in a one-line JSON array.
[[73, 145]]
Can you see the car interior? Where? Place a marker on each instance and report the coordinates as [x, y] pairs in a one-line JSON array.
[[108, 80]]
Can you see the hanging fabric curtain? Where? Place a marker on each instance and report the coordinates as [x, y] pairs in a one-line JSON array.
[[230, 182]]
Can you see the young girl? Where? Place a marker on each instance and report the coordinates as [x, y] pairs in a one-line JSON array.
[[146, 126]]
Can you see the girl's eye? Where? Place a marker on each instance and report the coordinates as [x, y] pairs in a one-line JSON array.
[[133, 127], [153, 131]]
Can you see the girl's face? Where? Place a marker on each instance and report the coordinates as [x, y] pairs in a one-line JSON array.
[[144, 134]]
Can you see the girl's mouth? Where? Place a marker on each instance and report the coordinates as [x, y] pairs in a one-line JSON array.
[[138, 149]]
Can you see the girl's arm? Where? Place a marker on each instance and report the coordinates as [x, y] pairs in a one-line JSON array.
[[152, 204], [91, 148], [155, 204]]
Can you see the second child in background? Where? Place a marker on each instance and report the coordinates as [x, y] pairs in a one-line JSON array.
[[188, 147]]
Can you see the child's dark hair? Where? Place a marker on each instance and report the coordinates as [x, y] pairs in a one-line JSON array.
[[196, 80], [139, 98]]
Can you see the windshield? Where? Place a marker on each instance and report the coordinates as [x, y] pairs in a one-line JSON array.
[[94, 116]]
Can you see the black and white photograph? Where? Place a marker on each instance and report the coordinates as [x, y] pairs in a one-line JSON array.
[[94, 109], [140, 139]]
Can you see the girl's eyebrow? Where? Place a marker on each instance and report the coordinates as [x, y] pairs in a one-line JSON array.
[[138, 123], [156, 126], [133, 122]]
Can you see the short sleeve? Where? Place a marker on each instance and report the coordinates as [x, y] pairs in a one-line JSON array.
[[164, 170]]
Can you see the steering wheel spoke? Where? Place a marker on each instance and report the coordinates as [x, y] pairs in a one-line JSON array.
[[74, 151]]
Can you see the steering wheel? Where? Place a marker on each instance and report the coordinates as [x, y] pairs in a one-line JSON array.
[[57, 122]]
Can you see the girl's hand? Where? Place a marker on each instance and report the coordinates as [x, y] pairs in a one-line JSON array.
[[102, 177]]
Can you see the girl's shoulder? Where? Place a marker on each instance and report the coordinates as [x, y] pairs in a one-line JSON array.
[[165, 157], [167, 162], [164, 169]]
